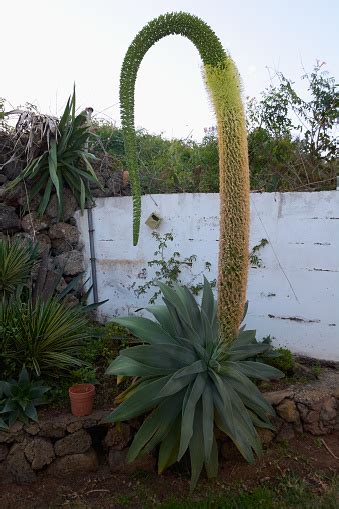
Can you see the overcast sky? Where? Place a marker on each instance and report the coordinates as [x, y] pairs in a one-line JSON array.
[[47, 45]]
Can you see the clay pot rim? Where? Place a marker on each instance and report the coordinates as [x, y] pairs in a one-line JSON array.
[[81, 390]]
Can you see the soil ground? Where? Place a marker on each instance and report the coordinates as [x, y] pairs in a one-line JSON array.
[[301, 473]]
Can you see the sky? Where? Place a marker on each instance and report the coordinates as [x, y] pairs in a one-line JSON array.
[[48, 45]]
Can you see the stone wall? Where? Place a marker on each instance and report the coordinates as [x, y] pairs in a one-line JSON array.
[[59, 239], [60, 445], [19, 218]]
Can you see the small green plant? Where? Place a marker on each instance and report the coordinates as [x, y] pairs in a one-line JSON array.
[[316, 369], [192, 382], [17, 259], [64, 162], [169, 268], [46, 337], [255, 260], [282, 359], [19, 399]]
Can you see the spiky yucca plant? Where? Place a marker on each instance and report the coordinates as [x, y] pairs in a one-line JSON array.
[[223, 84], [191, 382], [17, 259], [64, 162], [46, 337]]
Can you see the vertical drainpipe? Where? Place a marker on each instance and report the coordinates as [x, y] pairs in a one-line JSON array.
[[89, 112]]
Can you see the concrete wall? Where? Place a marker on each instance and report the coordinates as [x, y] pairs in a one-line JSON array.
[[294, 296]]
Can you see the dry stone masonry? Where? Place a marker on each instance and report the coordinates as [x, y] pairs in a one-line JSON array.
[[61, 445]]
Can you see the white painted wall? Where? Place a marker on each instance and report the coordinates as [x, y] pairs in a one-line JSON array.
[[293, 297]]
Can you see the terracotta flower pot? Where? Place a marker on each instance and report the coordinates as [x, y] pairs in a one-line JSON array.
[[81, 396]]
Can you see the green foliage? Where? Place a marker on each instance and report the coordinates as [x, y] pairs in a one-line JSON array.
[[17, 259], [46, 337], [19, 399], [105, 339], [288, 492], [165, 166], [64, 162], [283, 360], [191, 382], [211, 52], [293, 141], [255, 260], [168, 268]]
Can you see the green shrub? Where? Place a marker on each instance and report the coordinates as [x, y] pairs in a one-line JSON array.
[[191, 382], [19, 399], [64, 162], [17, 259], [283, 360], [46, 338]]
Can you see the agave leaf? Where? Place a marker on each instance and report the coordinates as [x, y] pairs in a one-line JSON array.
[[176, 321], [145, 329], [219, 386], [244, 338], [238, 354], [259, 370], [131, 389], [260, 423], [162, 315], [193, 394], [13, 417], [166, 356], [208, 303], [178, 300], [243, 385], [9, 406], [244, 422], [245, 311], [195, 448], [175, 385], [197, 367], [169, 447], [139, 402], [130, 367], [208, 421], [191, 316], [212, 465], [31, 412], [3, 425], [222, 422], [24, 376], [183, 328], [155, 426]]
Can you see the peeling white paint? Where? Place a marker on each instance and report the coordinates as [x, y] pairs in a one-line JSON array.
[[294, 296]]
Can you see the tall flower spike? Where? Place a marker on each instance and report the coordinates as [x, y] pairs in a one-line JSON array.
[[223, 84]]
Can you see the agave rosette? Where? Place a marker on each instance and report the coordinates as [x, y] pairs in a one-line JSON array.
[[191, 383]]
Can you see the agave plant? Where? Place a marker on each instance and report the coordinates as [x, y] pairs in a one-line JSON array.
[[191, 383], [65, 161], [16, 263], [19, 399]]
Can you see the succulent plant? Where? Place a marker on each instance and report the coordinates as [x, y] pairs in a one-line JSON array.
[[223, 84], [191, 382], [19, 399]]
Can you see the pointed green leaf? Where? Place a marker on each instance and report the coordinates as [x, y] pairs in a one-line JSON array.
[[145, 329], [193, 395], [259, 370]]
